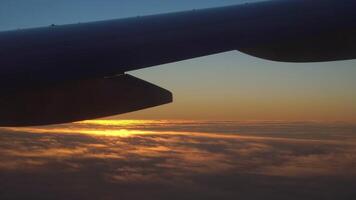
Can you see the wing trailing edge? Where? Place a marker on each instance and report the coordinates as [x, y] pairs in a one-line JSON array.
[[79, 100]]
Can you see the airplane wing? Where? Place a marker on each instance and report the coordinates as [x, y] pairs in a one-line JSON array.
[[59, 74]]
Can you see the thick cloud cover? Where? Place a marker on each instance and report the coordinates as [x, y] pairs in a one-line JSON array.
[[179, 160]]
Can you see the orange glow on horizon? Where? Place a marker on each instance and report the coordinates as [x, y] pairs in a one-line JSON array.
[[94, 132], [109, 122], [114, 128], [183, 150]]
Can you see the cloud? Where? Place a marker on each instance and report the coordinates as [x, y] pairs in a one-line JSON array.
[[162, 159]]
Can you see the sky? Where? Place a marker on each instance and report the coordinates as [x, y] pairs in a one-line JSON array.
[[231, 86]]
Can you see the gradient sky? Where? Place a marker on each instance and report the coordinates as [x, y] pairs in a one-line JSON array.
[[230, 85]]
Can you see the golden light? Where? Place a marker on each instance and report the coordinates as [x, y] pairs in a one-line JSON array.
[[94, 132], [132, 128], [119, 122]]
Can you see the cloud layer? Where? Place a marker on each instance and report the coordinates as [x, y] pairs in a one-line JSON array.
[[179, 160]]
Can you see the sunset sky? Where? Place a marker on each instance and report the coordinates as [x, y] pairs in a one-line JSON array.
[[240, 127], [228, 86]]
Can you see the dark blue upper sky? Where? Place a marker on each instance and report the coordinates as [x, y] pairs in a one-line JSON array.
[[29, 13]]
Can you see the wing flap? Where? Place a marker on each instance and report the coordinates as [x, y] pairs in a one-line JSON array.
[[80, 100]]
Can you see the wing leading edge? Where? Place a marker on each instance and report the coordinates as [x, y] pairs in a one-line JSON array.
[[280, 30]]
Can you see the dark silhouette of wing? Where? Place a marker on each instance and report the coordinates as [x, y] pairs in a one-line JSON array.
[[280, 30], [80, 100]]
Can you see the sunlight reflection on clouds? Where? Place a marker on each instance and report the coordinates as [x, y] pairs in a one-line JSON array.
[[119, 153]]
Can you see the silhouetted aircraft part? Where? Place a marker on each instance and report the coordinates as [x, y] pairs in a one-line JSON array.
[[80, 100], [279, 30], [331, 46]]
